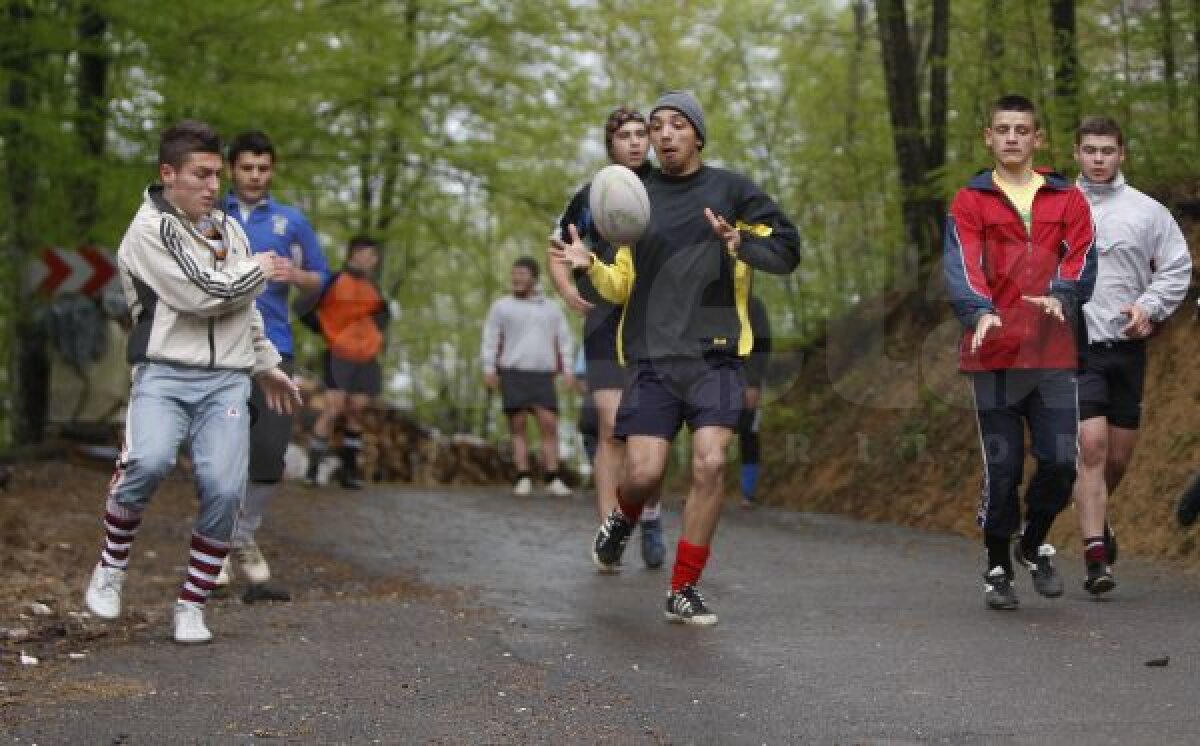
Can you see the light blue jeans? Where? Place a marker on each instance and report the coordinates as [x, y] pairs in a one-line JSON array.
[[169, 404]]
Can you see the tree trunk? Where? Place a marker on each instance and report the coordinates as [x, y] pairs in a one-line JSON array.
[[922, 218], [29, 366], [90, 117], [1167, 28], [1066, 70]]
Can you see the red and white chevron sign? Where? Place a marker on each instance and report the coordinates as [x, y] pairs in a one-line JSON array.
[[87, 270]]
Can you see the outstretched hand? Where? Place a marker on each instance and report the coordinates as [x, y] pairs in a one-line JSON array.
[[279, 390], [729, 235], [1050, 305], [573, 254], [986, 323]]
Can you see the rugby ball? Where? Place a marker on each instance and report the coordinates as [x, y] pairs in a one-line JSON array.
[[619, 204]]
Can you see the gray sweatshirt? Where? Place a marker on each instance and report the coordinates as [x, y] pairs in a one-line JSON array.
[[1143, 258], [529, 334]]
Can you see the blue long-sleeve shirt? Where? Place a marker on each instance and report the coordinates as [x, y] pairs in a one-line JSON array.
[[273, 226]]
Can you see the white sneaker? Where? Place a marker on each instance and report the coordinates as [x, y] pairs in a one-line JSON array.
[[556, 488], [523, 487], [189, 624], [225, 577], [103, 595], [252, 563]]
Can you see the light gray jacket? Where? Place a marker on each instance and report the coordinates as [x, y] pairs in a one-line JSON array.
[[529, 334], [1143, 258], [191, 305]]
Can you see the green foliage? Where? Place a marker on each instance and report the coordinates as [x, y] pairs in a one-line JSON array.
[[456, 131]]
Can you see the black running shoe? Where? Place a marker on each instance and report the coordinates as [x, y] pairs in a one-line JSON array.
[[1110, 544], [686, 606], [610, 541], [1189, 504], [998, 590], [1099, 579], [1046, 580]]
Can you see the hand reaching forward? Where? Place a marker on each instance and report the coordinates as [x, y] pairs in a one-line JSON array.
[[986, 323], [573, 254], [730, 235], [279, 390]]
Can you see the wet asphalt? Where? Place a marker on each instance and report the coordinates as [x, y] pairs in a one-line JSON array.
[[831, 632]]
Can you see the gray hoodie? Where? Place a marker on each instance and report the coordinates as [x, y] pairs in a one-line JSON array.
[[1143, 258], [529, 334]]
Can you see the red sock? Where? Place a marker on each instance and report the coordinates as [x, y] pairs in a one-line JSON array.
[[631, 511], [689, 563], [204, 563]]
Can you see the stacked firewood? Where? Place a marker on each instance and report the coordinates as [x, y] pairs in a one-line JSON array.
[[396, 448]]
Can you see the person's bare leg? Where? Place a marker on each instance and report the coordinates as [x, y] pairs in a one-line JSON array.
[[1091, 493], [610, 452], [1121, 444], [520, 445], [645, 465], [703, 507], [318, 446], [547, 420]]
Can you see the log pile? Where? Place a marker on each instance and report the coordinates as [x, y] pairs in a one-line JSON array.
[[396, 448]]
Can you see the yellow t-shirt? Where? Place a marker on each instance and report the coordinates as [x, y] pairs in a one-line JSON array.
[[1021, 195]]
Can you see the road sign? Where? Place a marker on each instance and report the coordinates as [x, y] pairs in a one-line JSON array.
[[87, 270]]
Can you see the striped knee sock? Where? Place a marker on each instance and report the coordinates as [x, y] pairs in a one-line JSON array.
[[204, 564], [120, 528]]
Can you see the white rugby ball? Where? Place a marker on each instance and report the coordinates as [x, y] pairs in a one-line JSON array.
[[619, 204]]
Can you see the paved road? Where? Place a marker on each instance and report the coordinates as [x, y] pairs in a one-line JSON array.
[[832, 632]]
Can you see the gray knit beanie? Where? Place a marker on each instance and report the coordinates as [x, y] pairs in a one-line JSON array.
[[686, 104]]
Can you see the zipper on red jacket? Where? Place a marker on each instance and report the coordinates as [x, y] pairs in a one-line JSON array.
[[1013, 207]]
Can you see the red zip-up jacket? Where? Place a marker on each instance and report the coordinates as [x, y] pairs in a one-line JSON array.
[[991, 260]]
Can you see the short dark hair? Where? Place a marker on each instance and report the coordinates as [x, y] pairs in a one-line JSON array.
[[253, 141], [618, 118], [184, 138], [528, 263], [1014, 102], [361, 241], [1100, 126]]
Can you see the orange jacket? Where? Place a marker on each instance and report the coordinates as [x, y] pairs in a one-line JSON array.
[[352, 315]]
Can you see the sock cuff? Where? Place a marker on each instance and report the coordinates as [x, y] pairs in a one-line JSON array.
[[685, 551]]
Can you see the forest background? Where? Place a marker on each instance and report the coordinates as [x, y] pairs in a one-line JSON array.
[[457, 131]]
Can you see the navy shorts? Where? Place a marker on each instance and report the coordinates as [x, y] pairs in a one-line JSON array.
[[662, 395], [1112, 382]]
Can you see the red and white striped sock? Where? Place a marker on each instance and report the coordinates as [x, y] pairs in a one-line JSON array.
[[120, 528], [204, 563]]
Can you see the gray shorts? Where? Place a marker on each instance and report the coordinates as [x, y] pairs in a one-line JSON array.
[[351, 377], [526, 390]]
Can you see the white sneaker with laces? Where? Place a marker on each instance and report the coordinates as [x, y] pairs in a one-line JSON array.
[[523, 487], [556, 488], [252, 563], [189, 624], [103, 595], [225, 577]]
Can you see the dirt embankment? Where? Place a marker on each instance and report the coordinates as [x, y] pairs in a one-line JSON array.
[[878, 425]]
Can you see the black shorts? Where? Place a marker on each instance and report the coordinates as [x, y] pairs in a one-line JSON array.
[[600, 351], [522, 390], [351, 377], [269, 435], [664, 394], [1112, 382]]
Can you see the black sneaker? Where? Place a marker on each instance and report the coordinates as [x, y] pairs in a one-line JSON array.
[[1189, 504], [610, 542], [1046, 580], [998, 590], [686, 606], [1099, 579], [1110, 544]]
